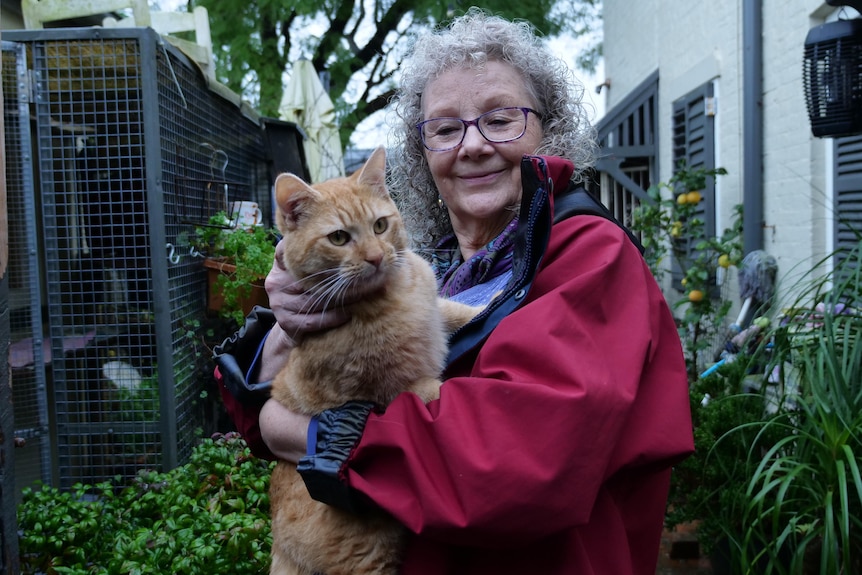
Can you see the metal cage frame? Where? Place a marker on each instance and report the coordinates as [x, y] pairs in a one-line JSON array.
[[134, 146]]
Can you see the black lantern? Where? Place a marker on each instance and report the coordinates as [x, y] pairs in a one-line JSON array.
[[832, 76]]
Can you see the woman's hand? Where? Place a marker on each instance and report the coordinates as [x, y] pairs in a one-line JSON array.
[[296, 311], [283, 431]]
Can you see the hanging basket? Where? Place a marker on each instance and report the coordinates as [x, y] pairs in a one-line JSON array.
[[832, 77]]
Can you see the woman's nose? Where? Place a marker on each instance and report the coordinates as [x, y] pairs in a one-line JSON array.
[[473, 138]]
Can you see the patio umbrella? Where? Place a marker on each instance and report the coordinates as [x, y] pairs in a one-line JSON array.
[[306, 103]]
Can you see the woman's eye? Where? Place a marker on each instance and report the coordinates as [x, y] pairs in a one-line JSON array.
[[339, 237], [381, 226], [446, 130]]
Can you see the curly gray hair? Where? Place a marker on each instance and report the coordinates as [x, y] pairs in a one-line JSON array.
[[471, 40]]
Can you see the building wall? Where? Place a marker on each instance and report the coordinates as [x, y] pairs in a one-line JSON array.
[[797, 201], [691, 43], [10, 15]]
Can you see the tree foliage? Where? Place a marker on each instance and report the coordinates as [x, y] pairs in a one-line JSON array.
[[359, 43]]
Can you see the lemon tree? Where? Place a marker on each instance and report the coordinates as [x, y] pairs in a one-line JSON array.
[[672, 231]]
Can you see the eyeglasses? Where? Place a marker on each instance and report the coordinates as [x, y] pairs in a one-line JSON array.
[[497, 126]]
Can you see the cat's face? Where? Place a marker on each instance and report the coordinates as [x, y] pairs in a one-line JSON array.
[[343, 235]]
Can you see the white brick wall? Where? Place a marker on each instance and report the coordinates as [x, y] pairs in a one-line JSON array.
[[691, 42]]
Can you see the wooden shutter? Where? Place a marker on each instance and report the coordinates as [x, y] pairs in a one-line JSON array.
[[848, 192], [693, 127], [694, 143]]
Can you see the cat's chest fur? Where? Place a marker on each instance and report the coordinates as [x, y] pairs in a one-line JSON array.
[[394, 340]]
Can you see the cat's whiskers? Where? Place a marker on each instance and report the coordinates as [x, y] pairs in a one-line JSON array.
[[332, 290], [400, 258], [325, 291]]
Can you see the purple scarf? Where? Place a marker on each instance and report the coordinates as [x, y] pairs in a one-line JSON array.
[[455, 275]]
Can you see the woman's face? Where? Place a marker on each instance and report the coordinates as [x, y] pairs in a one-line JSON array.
[[480, 181]]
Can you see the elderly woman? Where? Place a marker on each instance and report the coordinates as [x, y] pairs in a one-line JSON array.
[[563, 409]]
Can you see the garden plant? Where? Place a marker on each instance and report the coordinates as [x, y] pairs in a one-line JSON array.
[[804, 496], [248, 254], [674, 236], [775, 484], [208, 516]]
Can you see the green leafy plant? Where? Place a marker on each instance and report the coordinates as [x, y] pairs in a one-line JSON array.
[[709, 487], [672, 231], [777, 473], [242, 257], [804, 512], [208, 516]]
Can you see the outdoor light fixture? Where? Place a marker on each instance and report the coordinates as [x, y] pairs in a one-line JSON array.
[[832, 78]]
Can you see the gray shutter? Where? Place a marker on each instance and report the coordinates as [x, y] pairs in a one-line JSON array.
[[693, 127], [848, 192], [694, 143]]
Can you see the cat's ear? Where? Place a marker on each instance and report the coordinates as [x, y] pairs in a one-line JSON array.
[[373, 173], [293, 197]]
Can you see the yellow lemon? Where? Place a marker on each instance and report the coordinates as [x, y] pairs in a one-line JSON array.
[[695, 296], [724, 260], [683, 281], [693, 197], [682, 198], [676, 229]]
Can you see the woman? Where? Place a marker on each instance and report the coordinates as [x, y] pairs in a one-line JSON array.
[[561, 413]]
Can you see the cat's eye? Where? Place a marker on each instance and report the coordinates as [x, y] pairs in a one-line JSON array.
[[381, 225], [339, 237]]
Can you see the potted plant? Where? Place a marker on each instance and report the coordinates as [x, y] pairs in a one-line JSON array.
[[237, 260]]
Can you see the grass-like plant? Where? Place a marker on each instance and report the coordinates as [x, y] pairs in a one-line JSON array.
[[804, 512]]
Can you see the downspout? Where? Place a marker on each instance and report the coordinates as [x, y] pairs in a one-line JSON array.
[[752, 125]]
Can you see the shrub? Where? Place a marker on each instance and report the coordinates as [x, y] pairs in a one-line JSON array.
[[208, 516], [710, 487]]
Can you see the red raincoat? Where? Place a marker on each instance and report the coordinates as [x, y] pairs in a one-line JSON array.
[[550, 453]]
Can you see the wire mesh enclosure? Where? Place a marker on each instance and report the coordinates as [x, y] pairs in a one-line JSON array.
[[26, 350], [133, 148]]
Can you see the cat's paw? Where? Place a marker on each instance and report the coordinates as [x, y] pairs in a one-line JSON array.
[[456, 315], [427, 389]]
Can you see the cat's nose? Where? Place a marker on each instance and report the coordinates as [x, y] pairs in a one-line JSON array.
[[374, 259]]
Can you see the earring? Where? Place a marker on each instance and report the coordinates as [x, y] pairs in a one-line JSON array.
[[440, 203]]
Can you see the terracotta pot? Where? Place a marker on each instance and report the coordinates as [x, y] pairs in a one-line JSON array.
[[215, 298]]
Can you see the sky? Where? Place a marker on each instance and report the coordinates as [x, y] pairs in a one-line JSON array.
[[565, 47]]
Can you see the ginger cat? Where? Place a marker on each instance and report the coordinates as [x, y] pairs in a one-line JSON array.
[[342, 236]]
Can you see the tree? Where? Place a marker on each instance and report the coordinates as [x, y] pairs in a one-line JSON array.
[[359, 43]]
